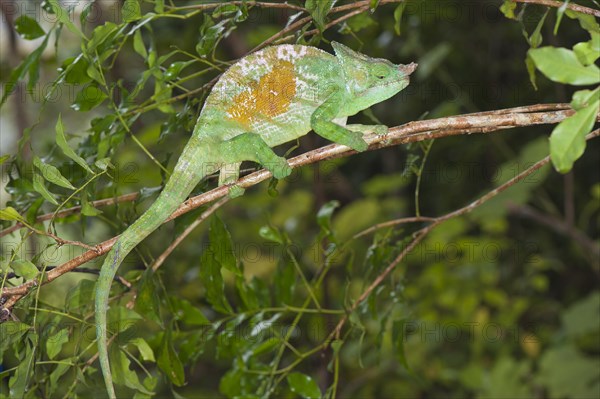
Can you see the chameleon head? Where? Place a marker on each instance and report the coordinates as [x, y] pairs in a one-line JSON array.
[[370, 80]]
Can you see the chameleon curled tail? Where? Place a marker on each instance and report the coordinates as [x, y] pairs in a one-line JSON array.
[[188, 172]]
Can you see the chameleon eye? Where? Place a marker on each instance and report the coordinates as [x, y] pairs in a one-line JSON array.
[[380, 71]]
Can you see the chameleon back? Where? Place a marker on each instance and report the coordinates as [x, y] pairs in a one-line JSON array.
[[271, 92]]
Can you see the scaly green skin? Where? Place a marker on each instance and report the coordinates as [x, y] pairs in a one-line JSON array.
[[267, 98]]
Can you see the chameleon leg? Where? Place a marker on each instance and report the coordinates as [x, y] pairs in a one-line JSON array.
[[228, 175], [251, 147], [322, 123], [364, 129]]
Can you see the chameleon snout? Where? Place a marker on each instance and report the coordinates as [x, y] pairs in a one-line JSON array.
[[408, 69]]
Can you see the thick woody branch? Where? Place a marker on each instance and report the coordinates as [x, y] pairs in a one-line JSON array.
[[558, 4], [411, 132]]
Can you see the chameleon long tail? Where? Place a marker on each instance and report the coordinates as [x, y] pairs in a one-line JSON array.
[[188, 172]]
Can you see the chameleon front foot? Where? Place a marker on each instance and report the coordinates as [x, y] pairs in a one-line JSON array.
[[280, 169], [235, 191]]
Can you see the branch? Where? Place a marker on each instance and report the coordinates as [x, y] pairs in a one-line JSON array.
[[591, 249], [411, 132], [558, 4]]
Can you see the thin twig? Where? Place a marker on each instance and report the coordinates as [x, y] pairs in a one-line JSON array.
[[558, 4], [419, 235], [589, 247], [160, 260]]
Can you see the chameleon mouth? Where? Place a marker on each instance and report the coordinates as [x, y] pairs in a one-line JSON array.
[[408, 69]]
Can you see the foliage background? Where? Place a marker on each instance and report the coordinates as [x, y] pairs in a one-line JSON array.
[[494, 304]]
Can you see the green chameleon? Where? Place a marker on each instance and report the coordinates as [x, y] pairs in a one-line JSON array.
[[267, 98]]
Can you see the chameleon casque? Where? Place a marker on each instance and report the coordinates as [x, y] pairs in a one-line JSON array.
[[265, 99]]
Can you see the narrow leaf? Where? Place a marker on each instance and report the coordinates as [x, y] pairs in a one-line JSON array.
[[56, 341], [38, 185], [10, 213], [319, 9], [31, 61], [24, 268], [52, 174], [169, 362], [567, 141], [61, 141], [303, 385]]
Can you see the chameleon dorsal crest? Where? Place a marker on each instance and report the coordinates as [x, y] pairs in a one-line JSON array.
[[267, 98]]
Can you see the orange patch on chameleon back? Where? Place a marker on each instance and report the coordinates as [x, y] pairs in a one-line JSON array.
[[269, 97]]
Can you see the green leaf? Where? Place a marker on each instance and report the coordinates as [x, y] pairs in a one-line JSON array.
[[122, 373], [536, 37], [583, 98], [159, 6], [75, 70], [131, 11], [61, 141], [38, 185], [29, 64], [58, 372], [324, 217], [186, 312], [18, 382], [398, 337], [271, 233], [508, 9], [147, 302], [89, 98], [175, 69], [588, 52], [138, 44], [24, 268], [561, 65], [303, 385], [582, 317], [169, 362], [11, 332], [578, 380], [87, 208], [102, 39], [28, 28], [586, 21], [10, 213], [52, 174], [221, 246], [398, 12], [319, 9], [567, 141], [209, 35], [56, 341], [210, 275], [560, 11], [4, 158], [530, 65], [144, 349], [64, 17]]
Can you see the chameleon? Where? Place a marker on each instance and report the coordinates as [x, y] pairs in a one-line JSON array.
[[265, 99]]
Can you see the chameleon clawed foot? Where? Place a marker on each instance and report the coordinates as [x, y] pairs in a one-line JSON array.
[[235, 191], [281, 169]]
